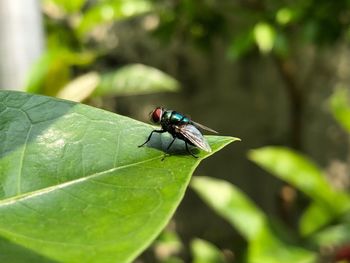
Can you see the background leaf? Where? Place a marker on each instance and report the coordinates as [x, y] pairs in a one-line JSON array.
[[74, 185], [300, 172], [205, 252], [336, 235], [241, 44], [109, 11], [80, 88], [52, 70], [67, 6], [340, 107], [233, 205], [136, 79], [313, 218], [229, 202]]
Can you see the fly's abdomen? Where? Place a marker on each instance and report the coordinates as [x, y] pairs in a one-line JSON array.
[[193, 136]]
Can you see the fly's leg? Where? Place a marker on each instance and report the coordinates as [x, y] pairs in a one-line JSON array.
[[149, 137], [167, 148], [188, 150]]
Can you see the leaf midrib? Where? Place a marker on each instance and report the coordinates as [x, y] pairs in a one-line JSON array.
[[11, 200]]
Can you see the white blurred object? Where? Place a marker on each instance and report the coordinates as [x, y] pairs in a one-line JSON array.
[[21, 41]]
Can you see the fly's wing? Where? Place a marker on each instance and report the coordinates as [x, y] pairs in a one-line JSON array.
[[203, 127], [191, 133]]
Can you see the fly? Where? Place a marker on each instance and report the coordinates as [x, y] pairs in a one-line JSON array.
[[180, 127]]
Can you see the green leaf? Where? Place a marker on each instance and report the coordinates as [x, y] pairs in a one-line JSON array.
[[241, 44], [334, 235], [285, 16], [39, 70], [314, 218], [268, 248], [265, 36], [230, 203], [136, 79], [340, 107], [69, 6], [264, 243], [300, 172], [109, 11], [52, 70], [205, 252], [76, 188]]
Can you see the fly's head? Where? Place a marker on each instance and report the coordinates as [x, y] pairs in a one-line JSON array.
[[156, 115]]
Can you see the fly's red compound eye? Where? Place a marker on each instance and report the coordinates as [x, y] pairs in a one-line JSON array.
[[157, 115]]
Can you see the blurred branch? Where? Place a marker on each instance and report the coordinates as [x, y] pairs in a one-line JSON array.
[[287, 71]]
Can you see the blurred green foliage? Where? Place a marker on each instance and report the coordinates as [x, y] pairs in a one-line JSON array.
[[78, 39], [110, 11], [327, 203], [135, 79], [205, 252], [265, 244], [340, 107], [169, 248], [269, 25], [76, 45], [323, 225]]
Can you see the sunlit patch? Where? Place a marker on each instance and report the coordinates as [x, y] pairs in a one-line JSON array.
[[107, 12], [52, 138], [265, 36]]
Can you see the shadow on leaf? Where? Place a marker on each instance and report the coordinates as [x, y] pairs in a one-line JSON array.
[[162, 141], [11, 252]]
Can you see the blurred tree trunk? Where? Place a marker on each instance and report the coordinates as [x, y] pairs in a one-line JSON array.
[[295, 94], [21, 40]]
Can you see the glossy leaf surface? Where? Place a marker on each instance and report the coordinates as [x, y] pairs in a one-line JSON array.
[[76, 188]]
